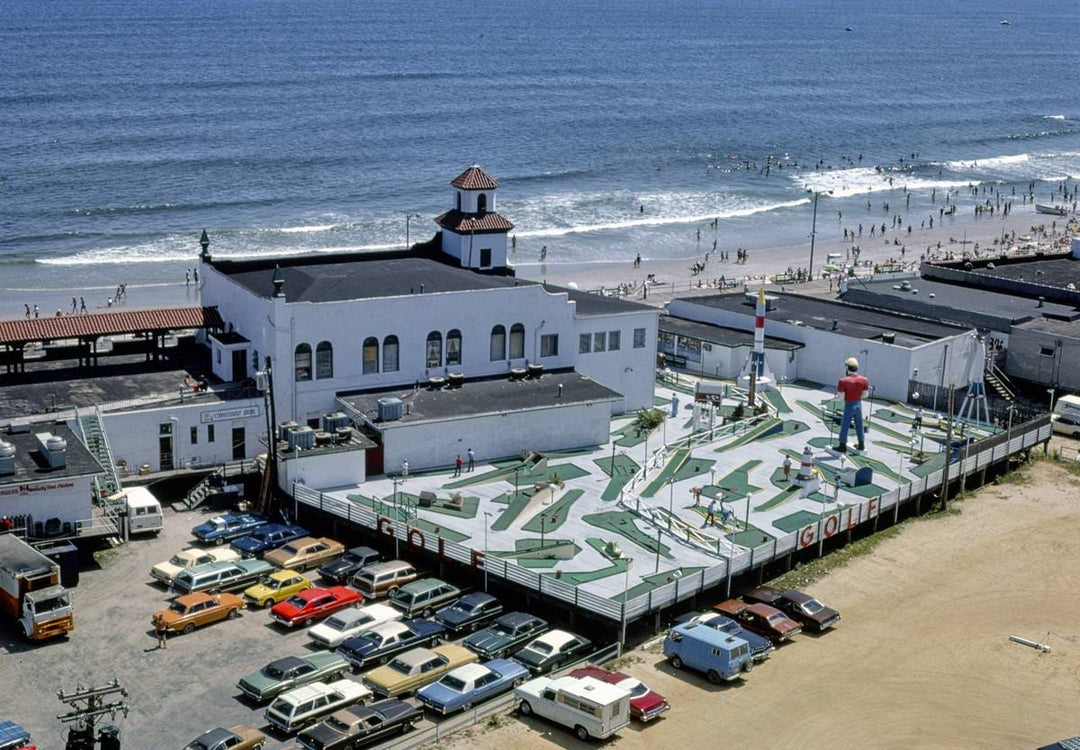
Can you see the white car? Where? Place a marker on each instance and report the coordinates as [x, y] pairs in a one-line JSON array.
[[295, 709], [189, 558], [341, 626]]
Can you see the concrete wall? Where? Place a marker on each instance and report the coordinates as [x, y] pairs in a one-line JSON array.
[[1025, 358], [322, 470], [133, 435], [66, 498], [432, 444]]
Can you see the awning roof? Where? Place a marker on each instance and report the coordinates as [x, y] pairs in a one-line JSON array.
[[108, 323]]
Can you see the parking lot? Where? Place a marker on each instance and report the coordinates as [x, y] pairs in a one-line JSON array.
[[175, 693]]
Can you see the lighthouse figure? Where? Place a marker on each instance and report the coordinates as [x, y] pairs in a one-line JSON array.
[[756, 370]]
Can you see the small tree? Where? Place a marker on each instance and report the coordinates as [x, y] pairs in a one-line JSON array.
[[648, 419], [739, 412]]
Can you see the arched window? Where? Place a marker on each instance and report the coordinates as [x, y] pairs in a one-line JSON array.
[[481, 203], [370, 356], [453, 347], [498, 343], [390, 354], [324, 360], [302, 361], [517, 341], [434, 349]]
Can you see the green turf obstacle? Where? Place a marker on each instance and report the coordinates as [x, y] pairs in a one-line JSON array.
[[555, 514], [621, 522]]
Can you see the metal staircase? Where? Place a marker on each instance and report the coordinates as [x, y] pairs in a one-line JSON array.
[[94, 438], [998, 382], [199, 492]]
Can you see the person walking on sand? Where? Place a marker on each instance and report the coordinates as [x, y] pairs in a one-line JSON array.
[[37, 313], [187, 277], [82, 305], [74, 306], [161, 630], [472, 458], [27, 310]]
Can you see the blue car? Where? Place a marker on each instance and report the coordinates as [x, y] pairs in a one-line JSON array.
[[12, 735], [378, 644], [760, 646], [266, 538], [462, 688], [221, 529]]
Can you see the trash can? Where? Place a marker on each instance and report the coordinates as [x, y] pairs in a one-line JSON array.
[[66, 555]]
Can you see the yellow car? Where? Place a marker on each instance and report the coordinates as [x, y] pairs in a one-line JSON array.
[[416, 668], [276, 587]]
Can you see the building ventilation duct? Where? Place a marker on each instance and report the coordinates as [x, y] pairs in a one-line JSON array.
[[535, 370], [7, 458], [53, 448]]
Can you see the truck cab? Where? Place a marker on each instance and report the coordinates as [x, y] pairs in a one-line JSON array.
[[47, 612], [593, 709], [719, 655], [30, 591]]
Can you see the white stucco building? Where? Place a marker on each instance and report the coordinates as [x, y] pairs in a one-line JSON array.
[[449, 308]]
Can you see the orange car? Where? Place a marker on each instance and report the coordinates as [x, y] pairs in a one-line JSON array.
[[195, 610], [308, 552]]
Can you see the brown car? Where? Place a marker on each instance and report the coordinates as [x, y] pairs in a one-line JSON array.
[[306, 552], [195, 610], [761, 619], [240, 737], [805, 609]]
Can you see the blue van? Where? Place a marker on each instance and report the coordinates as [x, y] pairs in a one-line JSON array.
[[719, 655]]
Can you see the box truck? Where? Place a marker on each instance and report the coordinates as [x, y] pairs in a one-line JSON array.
[[30, 591]]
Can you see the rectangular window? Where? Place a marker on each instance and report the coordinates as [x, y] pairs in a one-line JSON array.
[[585, 343], [549, 345], [614, 341], [1046, 351], [599, 342], [165, 428], [485, 257], [209, 433], [498, 344], [639, 338], [194, 435]]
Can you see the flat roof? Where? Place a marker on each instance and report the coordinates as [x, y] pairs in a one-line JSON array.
[[359, 276], [721, 335], [955, 303], [1069, 328], [483, 396], [57, 386], [1055, 272], [594, 304], [31, 466], [854, 321]]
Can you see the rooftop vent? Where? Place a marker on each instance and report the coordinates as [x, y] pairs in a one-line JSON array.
[[1042, 301], [535, 370], [457, 379], [7, 458], [53, 448], [835, 324], [888, 337], [518, 373], [390, 409]]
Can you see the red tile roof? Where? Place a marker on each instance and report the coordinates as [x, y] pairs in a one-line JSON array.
[[475, 178], [106, 323], [463, 223]]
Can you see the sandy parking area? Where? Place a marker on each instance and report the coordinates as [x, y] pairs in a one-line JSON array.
[[921, 658]]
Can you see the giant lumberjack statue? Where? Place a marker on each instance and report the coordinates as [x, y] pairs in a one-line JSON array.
[[852, 386]]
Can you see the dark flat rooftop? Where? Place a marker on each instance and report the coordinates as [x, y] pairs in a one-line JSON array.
[[56, 386], [720, 334], [31, 466], [351, 277], [1054, 272], [851, 320], [1069, 328], [954, 303], [591, 304], [484, 396]]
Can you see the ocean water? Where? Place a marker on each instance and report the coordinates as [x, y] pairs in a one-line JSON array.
[[616, 128]]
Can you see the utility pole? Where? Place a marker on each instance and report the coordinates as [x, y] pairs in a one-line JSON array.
[[948, 455], [88, 706]]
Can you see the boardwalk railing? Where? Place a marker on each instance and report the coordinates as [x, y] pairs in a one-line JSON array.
[[972, 458]]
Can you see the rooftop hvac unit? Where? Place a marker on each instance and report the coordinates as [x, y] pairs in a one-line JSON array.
[[342, 435], [536, 370], [390, 409], [456, 379], [302, 438], [518, 373], [323, 438], [7, 458], [436, 382], [53, 448], [285, 428], [331, 422]]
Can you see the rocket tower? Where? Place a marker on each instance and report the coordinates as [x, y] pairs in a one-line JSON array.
[[756, 370]]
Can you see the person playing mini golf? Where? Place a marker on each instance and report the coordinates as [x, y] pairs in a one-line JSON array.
[[852, 386]]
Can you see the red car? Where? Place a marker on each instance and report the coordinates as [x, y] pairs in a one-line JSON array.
[[645, 704], [314, 604], [761, 619]]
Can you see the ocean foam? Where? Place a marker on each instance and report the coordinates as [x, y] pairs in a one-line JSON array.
[[844, 183], [154, 253]]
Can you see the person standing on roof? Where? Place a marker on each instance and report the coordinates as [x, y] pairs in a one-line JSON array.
[[852, 386]]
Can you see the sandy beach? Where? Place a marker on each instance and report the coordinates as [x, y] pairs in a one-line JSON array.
[[669, 275]]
